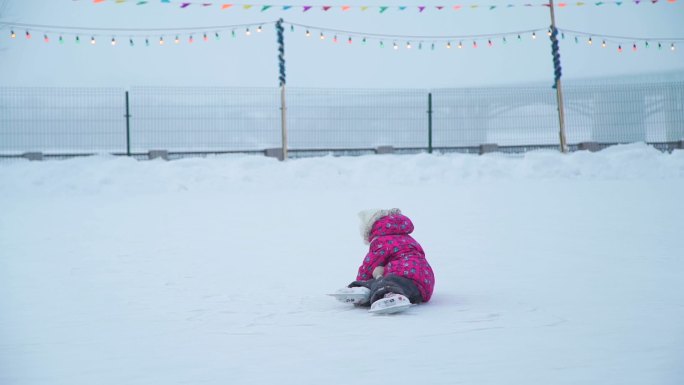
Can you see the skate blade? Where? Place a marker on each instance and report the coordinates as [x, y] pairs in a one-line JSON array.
[[390, 305], [391, 309], [350, 298]]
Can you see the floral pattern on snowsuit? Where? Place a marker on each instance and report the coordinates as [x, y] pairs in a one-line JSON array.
[[391, 246]]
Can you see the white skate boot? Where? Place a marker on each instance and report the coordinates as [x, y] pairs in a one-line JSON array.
[[389, 304]]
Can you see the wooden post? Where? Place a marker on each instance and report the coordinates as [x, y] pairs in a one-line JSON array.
[[557, 77], [283, 121]]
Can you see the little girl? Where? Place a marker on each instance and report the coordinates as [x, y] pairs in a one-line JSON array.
[[395, 265]]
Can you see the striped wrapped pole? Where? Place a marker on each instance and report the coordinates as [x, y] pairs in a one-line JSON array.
[[281, 52], [281, 79], [556, 56]]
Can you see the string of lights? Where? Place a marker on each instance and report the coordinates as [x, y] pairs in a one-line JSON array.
[[146, 35], [178, 35]]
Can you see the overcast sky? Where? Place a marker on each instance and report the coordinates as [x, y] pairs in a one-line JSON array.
[[311, 62]]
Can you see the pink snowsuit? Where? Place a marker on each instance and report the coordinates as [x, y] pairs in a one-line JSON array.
[[391, 246]]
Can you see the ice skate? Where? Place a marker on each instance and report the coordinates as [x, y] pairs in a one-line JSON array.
[[389, 304], [354, 295]]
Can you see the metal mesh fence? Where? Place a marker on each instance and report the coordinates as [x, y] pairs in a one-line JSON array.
[[349, 119], [623, 113], [204, 119], [69, 121], [62, 120], [505, 116]]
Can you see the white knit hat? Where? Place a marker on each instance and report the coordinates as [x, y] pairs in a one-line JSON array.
[[369, 217]]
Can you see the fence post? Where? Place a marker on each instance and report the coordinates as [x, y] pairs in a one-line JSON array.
[[429, 122], [128, 128]]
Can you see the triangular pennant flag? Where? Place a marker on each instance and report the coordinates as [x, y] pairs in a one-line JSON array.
[[364, 7], [345, 7], [579, 3], [492, 7], [599, 3], [457, 7], [561, 5], [141, 2], [403, 7], [120, 1], [654, 1], [326, 8], [306, 8], [618, 3], [226, 6], [98, 1], [265, 7], [166, 1], [440, 7], [383, 9], [637, 2], [184, 5], [671, 1], [207, 4], [247, 6], [421, 8], [286, 7], [474, 6]]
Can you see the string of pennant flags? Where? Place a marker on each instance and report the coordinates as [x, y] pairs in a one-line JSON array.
[[188, 35], [373, 8]]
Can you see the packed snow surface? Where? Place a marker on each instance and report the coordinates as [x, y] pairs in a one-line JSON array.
[[550, 269]]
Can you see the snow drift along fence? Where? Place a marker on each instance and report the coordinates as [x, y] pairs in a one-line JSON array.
[[191, 120]]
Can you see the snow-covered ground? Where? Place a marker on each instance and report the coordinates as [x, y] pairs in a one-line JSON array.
[[550, 268]]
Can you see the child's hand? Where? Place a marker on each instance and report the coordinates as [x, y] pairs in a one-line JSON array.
[[378, 272]]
